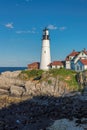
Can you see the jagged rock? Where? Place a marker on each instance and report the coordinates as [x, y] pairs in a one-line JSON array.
[[16, 90]]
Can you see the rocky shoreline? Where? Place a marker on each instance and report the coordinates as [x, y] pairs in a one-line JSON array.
[[38, 113], [23, 107]]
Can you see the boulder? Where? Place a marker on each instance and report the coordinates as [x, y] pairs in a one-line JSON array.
[[64, 124], [16, 90], [6, 80]]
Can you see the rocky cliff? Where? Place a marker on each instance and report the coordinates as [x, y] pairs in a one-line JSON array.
[[13, 83], [18, 84]]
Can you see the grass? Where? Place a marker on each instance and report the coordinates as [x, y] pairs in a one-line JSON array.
[[27, 74], [61, 71], [67, 76]]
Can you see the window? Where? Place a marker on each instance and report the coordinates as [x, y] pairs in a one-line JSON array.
[[80, 67], [77, 67]]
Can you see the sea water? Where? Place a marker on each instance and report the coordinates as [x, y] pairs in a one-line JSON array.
[[3, 69]]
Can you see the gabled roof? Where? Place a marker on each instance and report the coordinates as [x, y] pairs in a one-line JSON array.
[[83, 61], [34, 63], [73, 54], [55, 63]]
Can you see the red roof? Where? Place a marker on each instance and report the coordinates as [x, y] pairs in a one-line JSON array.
[[34, 63], [83, 61], [73, 53], [60, 63]]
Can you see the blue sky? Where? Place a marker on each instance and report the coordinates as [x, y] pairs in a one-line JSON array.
[[22, 22]]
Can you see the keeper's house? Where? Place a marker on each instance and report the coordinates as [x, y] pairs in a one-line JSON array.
[[76, 60], [56, 64]]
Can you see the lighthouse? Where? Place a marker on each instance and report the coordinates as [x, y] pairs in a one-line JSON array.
[[45, 53]]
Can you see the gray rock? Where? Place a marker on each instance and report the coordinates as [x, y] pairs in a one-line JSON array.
[[16, 90]]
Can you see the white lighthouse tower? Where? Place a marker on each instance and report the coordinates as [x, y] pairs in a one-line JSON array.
[[45, 54]]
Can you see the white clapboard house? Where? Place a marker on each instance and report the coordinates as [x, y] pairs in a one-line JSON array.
[[76, 60]]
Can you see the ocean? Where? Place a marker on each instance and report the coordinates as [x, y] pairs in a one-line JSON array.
[[3, 69]]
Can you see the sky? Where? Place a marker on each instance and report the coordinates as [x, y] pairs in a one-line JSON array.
[[22, 23]]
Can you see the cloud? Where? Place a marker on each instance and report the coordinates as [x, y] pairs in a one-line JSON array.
[[25, 31], [9, 25], [52, 27], [62, 28]]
